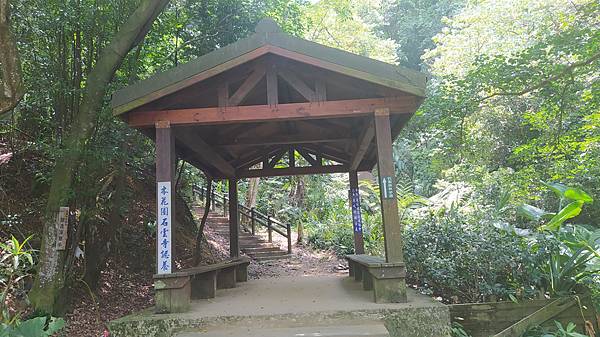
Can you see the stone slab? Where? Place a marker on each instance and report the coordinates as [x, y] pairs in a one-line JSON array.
[[294, 302]]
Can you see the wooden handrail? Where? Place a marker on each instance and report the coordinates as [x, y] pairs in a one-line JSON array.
[[255, 217]]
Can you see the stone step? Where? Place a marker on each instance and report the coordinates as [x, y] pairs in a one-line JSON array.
[[267, 254], [259, 249], [370, 330], [270, 258]]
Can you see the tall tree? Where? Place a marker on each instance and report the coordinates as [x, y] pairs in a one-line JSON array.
[[11, 86], [413, 23], [47, 293]]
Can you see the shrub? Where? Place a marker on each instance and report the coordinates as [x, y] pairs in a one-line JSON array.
[[467, 259]]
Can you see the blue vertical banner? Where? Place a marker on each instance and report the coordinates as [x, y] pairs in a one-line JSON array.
[[163, 227], [356, 216]]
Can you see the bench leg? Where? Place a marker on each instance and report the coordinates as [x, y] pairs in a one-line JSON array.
[[391, 290], [226, 278], [241, 273], [350, 268], [172, 300], [204, 285], [358, 272], [367, 279]]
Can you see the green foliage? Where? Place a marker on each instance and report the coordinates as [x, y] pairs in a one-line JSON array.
[[16, 263], [559, 331], [34, 327], [577, 196], [465, 258], [457, 330]]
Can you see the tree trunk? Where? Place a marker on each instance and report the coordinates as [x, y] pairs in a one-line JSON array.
[[49, 285], [200, 233], [297, 198], [11, 84], [252, 192]]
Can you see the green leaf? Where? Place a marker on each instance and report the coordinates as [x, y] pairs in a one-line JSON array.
[[578, 194], [532, 212], [55, 325], [32, 327], [557, 188], [570, 211]]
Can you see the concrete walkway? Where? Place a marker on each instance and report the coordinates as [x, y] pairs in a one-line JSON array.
[[296, 295], [325, 306]]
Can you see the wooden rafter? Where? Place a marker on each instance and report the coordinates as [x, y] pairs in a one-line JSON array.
[[306, 155], [298, 84], [205, 151], [278, 139], [292, 171], [254, 157], [262, 113], [276, 158], [327, 152], [249, 84], [362, 145]]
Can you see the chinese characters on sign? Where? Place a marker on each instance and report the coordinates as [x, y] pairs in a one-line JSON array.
[[356, 217], [163, 228], [387, 188], [62, 226]]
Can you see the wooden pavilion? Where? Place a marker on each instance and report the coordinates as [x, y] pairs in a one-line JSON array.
[[276, 105]]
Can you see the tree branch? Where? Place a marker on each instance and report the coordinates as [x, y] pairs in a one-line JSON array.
[[569, 69]]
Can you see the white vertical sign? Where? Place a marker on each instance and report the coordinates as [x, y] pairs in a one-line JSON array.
[[163, 227], [62, 227]]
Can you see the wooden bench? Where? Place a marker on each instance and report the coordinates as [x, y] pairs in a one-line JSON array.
[[174, 291], [386, 279]]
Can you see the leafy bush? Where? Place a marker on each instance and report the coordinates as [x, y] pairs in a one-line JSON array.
[[466, 259]]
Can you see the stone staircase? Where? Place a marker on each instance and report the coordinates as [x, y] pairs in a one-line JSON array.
[[252, 245]]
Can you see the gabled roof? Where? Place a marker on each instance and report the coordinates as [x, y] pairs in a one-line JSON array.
[[268, 38]]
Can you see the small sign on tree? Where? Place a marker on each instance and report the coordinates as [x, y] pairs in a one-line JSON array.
[[62, 226]]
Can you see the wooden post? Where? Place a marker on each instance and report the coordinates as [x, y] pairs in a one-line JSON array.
[[253, 221], [387, 186], [289, 238], [354, 196], [225, 204], [165, 202], [269, 230], [234, 242]]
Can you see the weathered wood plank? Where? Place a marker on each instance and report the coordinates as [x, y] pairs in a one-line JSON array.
[[292, 79], [283, 139], [538, 317], [234, 241], [247, 86], [261, 113], [487, 319], [362, 145], [206, 152], [387, 186]]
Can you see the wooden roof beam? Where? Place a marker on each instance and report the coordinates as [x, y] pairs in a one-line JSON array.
[[282, 140], [249, 84], [205, 152], [258, 113], [293, 171], [362, 145], [298, 84]]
